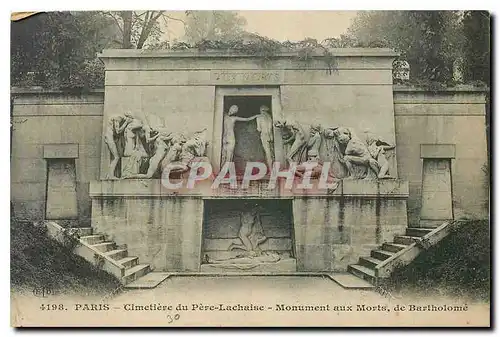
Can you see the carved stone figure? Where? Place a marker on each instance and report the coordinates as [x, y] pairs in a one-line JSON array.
[[174, 152], [228, 137], [314, 142], [250, 233], [192, 150], [313, 157], [295, 136], [113, 131], [135, 153], [302, 138], [354, 151], [265, 129], [245, 262], [377, 148], [160, 148]]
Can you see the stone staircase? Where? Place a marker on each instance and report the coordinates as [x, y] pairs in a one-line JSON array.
[[401, 252], [104, 253]]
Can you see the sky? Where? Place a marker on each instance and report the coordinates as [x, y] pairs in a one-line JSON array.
[[298, 25], [284, 25]]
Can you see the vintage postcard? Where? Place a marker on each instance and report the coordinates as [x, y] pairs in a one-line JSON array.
[[250, 169]]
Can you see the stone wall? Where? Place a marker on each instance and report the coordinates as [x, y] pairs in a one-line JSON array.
[[46, 124], [163, 232], [333, 232], [454, 117]]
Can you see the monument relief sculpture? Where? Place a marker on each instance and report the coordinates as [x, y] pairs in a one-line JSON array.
[[160, 148], [174, 152], [296, 138], [360, 157], [193, 149], [314, 141], [228, 136], [250, 233], [245, 262], [135, 153], [377, 148], [112, 134], [265, 129], [317, 170]]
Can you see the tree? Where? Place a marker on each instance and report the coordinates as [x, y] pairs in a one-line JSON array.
[[54, 49], [476, 30], [428, 40], [213, 26], [435, 43], [140, 29], [59, 49]]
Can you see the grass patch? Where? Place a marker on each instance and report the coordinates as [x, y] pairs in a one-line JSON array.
[[38, 261], [458, 266]]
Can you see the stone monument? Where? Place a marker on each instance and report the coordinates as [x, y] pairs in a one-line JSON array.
[[161, 128]]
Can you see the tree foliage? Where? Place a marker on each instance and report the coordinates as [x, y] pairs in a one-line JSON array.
[[434, 43], [477, 55], [213, 26], [58, 49]]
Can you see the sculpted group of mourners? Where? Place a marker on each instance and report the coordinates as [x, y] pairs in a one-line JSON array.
[[144, 151]]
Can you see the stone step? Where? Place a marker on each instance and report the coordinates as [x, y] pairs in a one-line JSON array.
[[405, 239], [350, 281], [393, 247], [129, 261], [116, 254], [381, 254], [93, 239], [105, 246], [369, 262], [83, 231], [122, 246], [418, 231], [135, 272], [362, 272]]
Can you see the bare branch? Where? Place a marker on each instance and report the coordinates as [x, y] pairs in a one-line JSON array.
[[111, 15], [147, 27], [165, 16]]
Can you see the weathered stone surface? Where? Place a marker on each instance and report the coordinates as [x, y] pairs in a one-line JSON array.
[[248, 77], [436, 190], [61, 190], [57, 151], [456, 125], [438, 151], [163, 232]]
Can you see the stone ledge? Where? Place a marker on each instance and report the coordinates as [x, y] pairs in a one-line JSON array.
[[388, 188], [195, 53], [58, 151], [437, 151]]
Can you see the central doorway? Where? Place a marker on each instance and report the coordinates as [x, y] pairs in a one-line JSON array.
[[248, 143]]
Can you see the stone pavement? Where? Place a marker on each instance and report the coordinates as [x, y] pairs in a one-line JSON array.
[[268, 289]]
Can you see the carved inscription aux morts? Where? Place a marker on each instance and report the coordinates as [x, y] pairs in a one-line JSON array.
[[247, 77]]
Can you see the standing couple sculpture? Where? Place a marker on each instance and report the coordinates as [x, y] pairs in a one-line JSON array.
[[264, 127]]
